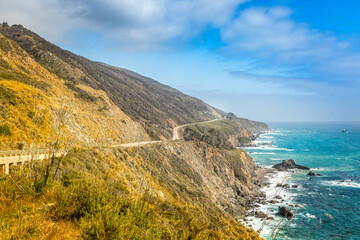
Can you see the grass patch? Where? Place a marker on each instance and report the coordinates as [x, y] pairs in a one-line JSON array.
[[79, 93]]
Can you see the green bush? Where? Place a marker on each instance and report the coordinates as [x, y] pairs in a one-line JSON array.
[[5, 130]]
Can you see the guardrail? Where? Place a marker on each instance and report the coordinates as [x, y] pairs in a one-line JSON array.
[[8, 158]]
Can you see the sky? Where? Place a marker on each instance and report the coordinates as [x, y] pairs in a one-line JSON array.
[[268, 60]]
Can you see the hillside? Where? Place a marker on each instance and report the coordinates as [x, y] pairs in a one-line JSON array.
[[158, 106], [39, 108], [227, 133]]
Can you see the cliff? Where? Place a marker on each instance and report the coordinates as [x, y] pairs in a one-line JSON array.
[[227, 133]]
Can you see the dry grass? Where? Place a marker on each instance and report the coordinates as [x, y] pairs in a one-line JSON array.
[[96, 196]]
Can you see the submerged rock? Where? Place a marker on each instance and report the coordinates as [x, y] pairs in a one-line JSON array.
[[319, 174], [283, 211], [289, 164], [311, 173]]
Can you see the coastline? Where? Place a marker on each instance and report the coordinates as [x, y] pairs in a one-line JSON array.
[[261, 215]]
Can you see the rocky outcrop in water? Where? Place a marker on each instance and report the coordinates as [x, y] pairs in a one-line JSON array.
[[311, 173], [285, 212], [289, 164]]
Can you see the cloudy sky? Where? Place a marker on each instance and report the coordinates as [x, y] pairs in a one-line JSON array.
[[270, 60]]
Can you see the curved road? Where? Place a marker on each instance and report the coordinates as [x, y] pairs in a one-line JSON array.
[[174, 138], [176, 129], [10, 157]]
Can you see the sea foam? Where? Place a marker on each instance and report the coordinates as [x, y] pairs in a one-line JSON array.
[[345, 183]]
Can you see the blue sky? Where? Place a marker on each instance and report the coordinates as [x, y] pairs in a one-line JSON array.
[[275, 60]]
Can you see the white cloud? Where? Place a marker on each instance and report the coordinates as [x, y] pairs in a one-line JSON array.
[[270, 32], [139, 24]]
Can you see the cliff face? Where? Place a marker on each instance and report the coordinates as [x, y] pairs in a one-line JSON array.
[[228, 133], [197, 172]]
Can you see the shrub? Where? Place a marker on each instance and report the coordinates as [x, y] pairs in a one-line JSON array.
[[5, 130]]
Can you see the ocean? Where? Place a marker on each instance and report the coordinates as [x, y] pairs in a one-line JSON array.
[[327, 151]]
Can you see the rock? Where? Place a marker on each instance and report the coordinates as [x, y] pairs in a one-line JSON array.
[[262, 201], [269, 218], [311, 173], [286, 186], [278, 197], [294, 186], [279, 185], [260, 214], [285, 212], [289, 164], [319, 174], [257, 205], [267, 144], [272, 201]]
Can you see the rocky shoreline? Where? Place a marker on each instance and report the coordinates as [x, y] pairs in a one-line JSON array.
[[273, 202]]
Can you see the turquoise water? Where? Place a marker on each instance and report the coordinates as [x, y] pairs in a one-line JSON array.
[[326, 150]]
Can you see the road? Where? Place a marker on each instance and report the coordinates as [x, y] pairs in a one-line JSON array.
[[135, 144], [14, 157], [176, 129], [175, 136]]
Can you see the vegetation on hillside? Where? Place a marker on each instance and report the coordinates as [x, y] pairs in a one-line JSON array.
[[35, 104], [225, 133], [97, 195]]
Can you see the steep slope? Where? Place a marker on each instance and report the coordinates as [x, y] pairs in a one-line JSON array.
[[165, 191], [39, 108], [158, 106]]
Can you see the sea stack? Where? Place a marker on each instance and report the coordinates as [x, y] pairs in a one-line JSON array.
[[289, 164]]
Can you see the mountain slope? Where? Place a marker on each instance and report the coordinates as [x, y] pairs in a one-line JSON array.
[[158, 106], [38, 108]]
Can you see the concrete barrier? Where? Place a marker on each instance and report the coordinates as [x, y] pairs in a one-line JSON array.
[[17, 156]]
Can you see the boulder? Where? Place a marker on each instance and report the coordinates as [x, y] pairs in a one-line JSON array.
[[279, 185], [311, 173], [294, 186], [319, 174], [285, 212], [278, 197], [286, 186], [270, 218], [289, 164], [262, 201], [260, 214]]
